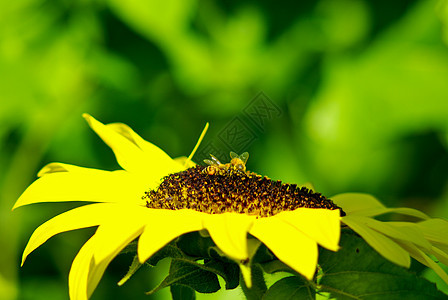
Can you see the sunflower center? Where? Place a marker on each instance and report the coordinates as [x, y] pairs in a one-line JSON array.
[[241, 192]]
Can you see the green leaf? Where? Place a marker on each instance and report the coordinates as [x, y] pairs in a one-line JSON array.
[[182, 292], [229, 271], [195, 245], [191, 274], [356, 271], [132, 269], [275, 266], [293, 287], [130, 248], [169, 250], [263, 255]]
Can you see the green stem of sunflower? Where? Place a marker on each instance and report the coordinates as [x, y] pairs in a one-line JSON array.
[[258, 288]]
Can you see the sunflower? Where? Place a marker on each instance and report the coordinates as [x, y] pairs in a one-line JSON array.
[[157, 199]]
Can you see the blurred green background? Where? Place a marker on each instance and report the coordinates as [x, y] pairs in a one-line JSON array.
[[356, 94]]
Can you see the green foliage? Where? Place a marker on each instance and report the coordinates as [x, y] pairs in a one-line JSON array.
[[356, 271], [203, 248], [289, 288], [181, 292], [191, 274]]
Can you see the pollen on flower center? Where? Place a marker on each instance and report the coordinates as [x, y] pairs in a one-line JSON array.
[[242, 192]]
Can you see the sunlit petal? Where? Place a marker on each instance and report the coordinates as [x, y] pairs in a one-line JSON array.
[[61, 167], [382, 244], [229, 232], [127, 132], [135, 155], [81, 217], [97, 270], [290, 245], [118, 232], [245, 266], [79, 272], [92, 186], [246, 273], [150, 150], [129, 156], [321, 225], [111, 238], [85, 273], [162, 226]]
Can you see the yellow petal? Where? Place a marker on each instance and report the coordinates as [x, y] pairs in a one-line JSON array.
[[412, 233], [134, 154], [355, 202], [162, 226], [89, 185], [398, 210], [404, 231], [420, 256], [85, 274], [246, 273], [435, 230], [382, 244], [368, 206], [440, 255], [290, 245], [127, 132], [114, 235], [149, 149], [139, 182], [245, 266], [81, 217], [111, 238], [79, 272], [97, 271], [229, 232], [61, 167], [321, 225]]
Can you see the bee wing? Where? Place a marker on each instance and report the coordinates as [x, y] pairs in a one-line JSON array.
[[209, 162], [244, 157], [233, 155], [215, 160]]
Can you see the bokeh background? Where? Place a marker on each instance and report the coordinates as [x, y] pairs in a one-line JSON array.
[[354, 98]]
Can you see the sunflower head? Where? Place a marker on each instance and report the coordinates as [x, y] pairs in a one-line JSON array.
[[188, 209]]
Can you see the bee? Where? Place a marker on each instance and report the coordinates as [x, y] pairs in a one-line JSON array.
[[237, 165]]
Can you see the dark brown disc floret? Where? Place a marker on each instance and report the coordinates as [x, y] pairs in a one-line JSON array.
[[246, 192]]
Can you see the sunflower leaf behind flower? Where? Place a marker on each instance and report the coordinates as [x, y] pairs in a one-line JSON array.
[[359, 272], [237, 229]]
